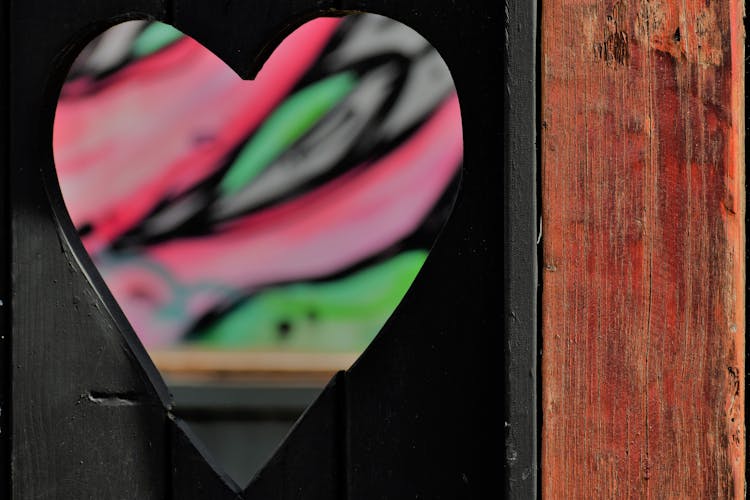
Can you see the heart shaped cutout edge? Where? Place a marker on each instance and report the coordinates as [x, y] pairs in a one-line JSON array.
[[450, 109]]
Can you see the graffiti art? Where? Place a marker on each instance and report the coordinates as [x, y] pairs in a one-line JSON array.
[[288, 213]]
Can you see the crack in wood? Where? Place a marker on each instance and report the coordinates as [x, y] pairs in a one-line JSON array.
[[113, 399]]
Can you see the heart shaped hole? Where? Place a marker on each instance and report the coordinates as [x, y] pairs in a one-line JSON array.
[[257, 235]]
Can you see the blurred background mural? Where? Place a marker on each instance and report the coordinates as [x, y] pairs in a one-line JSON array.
[[287, 214], [292, 212]]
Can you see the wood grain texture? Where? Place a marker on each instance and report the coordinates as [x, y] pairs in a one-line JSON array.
[[5, 253], [643, 272], [520, 261], [87, 416]]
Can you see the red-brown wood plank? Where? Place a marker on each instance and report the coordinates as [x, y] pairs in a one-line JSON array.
[[643, 225]]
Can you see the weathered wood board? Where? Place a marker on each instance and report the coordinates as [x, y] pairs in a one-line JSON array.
[[643, 265]]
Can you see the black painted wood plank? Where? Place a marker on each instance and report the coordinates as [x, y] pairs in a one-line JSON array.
[[309, 464], [520, 256], [5, 257], [88, 418], [424, 413], [193, 475], [425, 399], [82, 408]]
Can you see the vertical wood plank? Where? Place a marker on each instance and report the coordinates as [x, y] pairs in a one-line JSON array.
[[643, 217], [5, 259], [520, 257], [88, 408], [193, 477], [310, 463]]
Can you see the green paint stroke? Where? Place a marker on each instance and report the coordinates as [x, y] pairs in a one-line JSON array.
[[155, 37], [289, 122], [343, 315]]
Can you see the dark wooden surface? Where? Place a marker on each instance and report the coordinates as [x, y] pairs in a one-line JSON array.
[[192, 473], [319, 438], [521, 255], [88, 419], [5, 288], [419, 416], [643, 226]]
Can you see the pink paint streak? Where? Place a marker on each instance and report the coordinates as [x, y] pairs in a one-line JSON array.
[[350, 218], [122, 165]]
